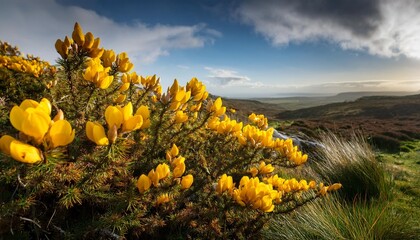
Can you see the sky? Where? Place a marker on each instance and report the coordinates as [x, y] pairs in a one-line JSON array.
[[239, 49]]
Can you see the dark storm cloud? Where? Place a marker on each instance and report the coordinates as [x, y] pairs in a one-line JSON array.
[[386, 28], [362, 17]]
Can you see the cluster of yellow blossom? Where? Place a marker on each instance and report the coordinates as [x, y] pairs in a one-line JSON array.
[[79, 43], [259, 120], [35, 126], [255, 194], [216, 107], [226, 126], [121, 61], [262, 169], [286, 148], [163, 171], [197, 89], [256, 136], [98, 74], [225, 183], [20, 64], [289, 185], [264, 195], [119, 120]]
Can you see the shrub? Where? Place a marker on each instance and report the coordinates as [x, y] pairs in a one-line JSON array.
[[102, 152]]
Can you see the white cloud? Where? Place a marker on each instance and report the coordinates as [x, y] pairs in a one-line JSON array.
[[229, 78], [385, 28], [35, 25]]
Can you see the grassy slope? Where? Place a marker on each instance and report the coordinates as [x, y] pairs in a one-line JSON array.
[[405, 169]]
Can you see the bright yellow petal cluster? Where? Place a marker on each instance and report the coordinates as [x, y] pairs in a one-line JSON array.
[[197, 89], [177, 161], [263, 168], [259, 120], [289, 185], [98, 74], [225, 183], [151, 83], [123, 63], [32, 66], [225, 126], [119, 120], [177, 96], [108, 57], [163, 198], [79, 43], [286, 148], [256, 194], [256, 136], [324, 189], [162, 171], [180, 116], [33, 119], [216, 107]]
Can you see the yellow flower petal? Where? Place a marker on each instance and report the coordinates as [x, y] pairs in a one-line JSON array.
[[36, 124], [78, 35], [96, 133], [187, 181], [61, 133], [113, 116], [17, 117], [5, 144], [179, 170], [127, 111], [143, 183], [132, 123], [25, 153], [28, 103]]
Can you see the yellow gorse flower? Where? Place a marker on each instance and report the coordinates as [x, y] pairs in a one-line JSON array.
[[225, 183], [119, 120], [96, 133], [216, 107], [108, 57], [256, 194], [259, 120], [197, 89], [123, 63], [180, 117], [98, 74], [20, 151], [163, 198], [20, 64], [162, 171], [33, 119], [187, 181], [86, 44], [265, 168], [143, 183]]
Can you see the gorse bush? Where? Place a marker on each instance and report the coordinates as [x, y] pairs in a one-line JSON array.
[[90, 149]]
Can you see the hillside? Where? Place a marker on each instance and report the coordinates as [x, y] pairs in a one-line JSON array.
[[384, 120], [294, 103]]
